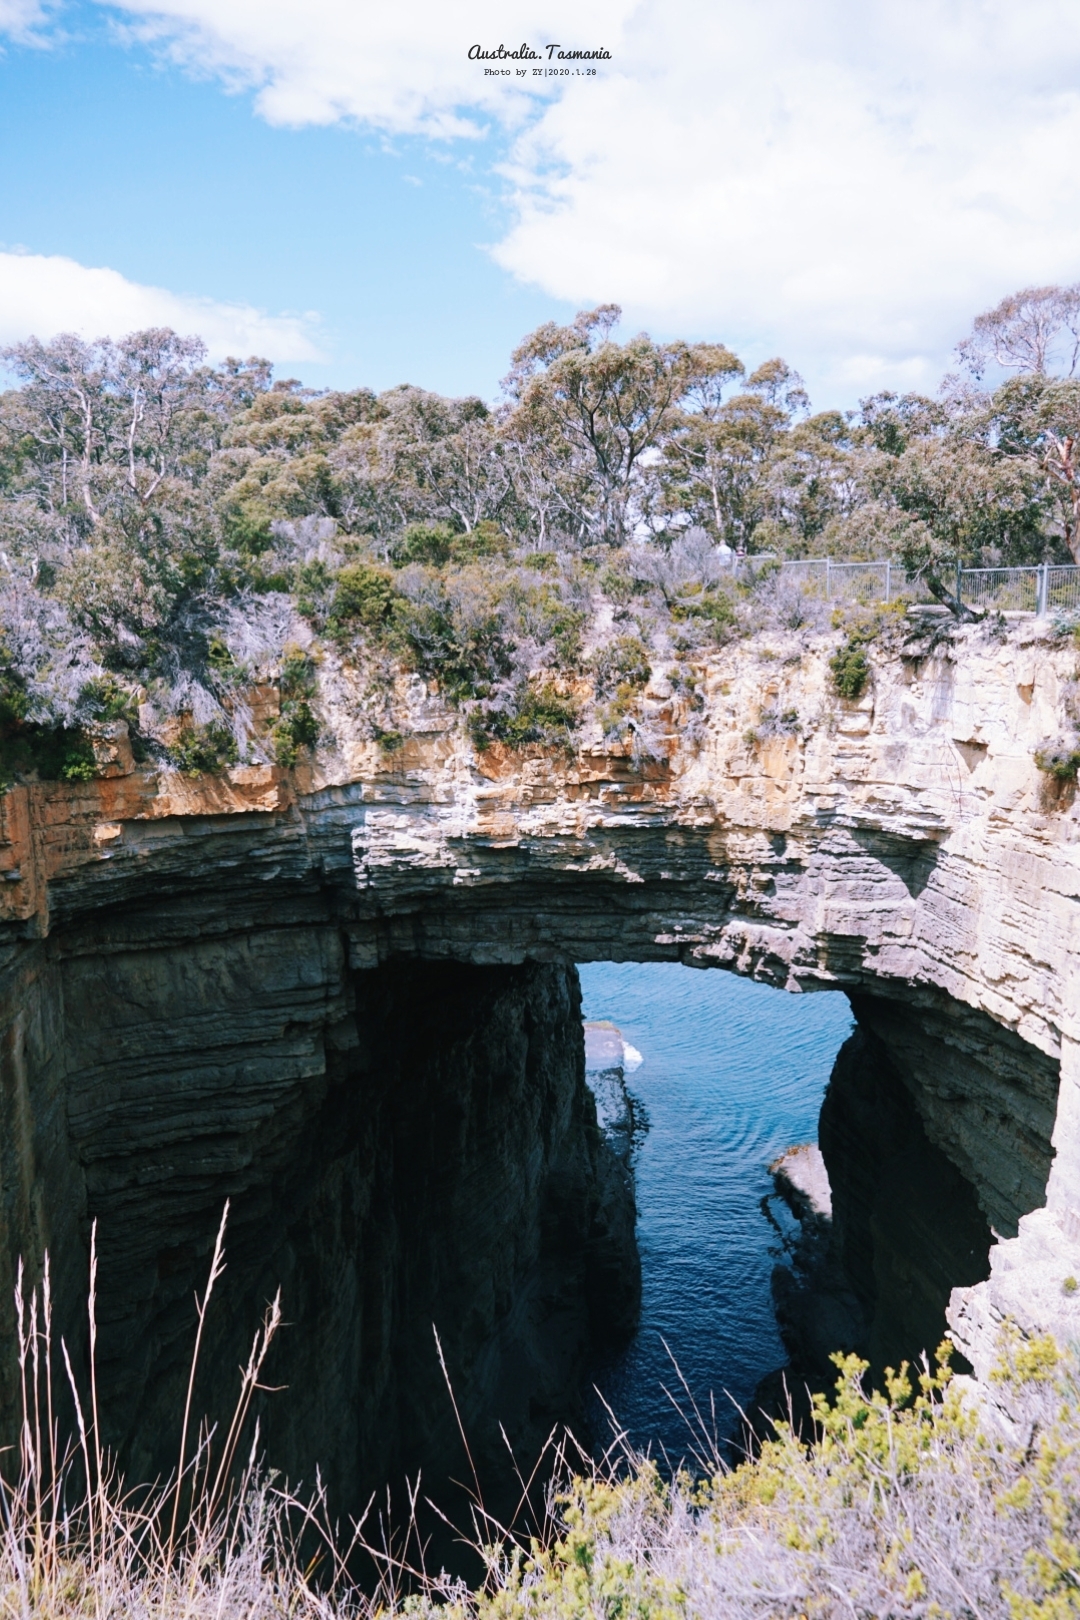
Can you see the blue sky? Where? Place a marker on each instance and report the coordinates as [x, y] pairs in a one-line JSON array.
[[113, 157], [335, 184]]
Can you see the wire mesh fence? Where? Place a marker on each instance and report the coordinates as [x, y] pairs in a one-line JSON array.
[[1008, 590], [846, 583], [1063, 590], [856, 583], [1043, 590]]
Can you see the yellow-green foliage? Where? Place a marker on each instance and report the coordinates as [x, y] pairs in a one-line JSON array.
[[900, 1505], [364, 597], [203, 749], [581, 1574], [621, 671], [538, 715], [850, 664], [296, 726], [713, 608], [1060, 760], [437, 544]]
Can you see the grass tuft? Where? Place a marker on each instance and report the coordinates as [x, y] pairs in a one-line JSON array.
[[900, 1503]]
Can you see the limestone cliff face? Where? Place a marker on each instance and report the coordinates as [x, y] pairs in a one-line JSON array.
[[904, 847]]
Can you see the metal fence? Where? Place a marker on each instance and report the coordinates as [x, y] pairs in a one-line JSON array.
[[852, 582], [1043, 591]]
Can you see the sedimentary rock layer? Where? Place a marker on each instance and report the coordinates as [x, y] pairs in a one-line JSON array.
[[405, 1148], [905, 847]]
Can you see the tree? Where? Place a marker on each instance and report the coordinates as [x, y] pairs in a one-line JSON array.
[[812, 483], [1036, 330], [715, 458], [610, 405], [1035, 421], [952, 500], [420, 458]]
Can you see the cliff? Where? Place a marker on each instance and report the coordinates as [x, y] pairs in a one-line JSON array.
[[185, 962]]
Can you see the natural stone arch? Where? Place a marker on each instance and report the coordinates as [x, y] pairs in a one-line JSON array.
[[901, 848]]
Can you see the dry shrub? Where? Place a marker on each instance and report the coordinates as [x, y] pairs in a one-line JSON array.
[[902, 1504], [218, 1538]]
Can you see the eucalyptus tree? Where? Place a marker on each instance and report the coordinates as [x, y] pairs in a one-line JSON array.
[[602, 411], [1035, 330], [716, 458], [420, 458], [1033, 421], [812, 485], [959, 505]]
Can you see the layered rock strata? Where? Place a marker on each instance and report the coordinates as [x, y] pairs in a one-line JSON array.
[[905, 847], [407, 1149]]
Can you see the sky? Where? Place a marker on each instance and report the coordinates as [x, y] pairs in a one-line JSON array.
[[336, 185]]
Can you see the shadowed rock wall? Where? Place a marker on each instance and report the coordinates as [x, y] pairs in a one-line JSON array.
[[928, 1133], [907, 1226], [403, 1146]]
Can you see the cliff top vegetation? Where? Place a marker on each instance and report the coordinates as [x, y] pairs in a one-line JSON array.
[[176, 536]]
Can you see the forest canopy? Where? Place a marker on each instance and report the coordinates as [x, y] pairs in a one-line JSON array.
[[173, 532]]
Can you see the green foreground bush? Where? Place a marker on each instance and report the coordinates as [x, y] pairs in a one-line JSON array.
[[902, 1504]]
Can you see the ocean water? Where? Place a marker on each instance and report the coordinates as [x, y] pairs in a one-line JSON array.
[[731, 1074]]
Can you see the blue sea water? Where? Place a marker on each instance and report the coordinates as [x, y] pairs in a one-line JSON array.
[[732, 1073]]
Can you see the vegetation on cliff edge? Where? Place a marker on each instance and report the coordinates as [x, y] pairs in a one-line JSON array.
[[175, 536]]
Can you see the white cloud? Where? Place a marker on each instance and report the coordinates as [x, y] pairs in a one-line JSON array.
[[401, 67], [19, 18], [41, 295], [845, 181]]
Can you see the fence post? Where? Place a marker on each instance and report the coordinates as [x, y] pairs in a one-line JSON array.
[[959, 586], [1042, 591], [888, 582], [827, 568]]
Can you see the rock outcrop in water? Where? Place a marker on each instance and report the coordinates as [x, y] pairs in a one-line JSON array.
[[184, 1016]]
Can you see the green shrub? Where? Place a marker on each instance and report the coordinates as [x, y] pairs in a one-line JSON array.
[[621, 670], [541, 715], [620, 586], [625, 664], [222, 662], [467, 653], [541, 614], [48, 753], [1059, 760], [313, 591], [364, 598], [438, 545], [850, 669], [296, 726], [712, 608], [203, 750], [29, 749], [105, 698]]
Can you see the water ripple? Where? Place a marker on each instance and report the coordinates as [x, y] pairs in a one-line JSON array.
[[732, 1073]]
